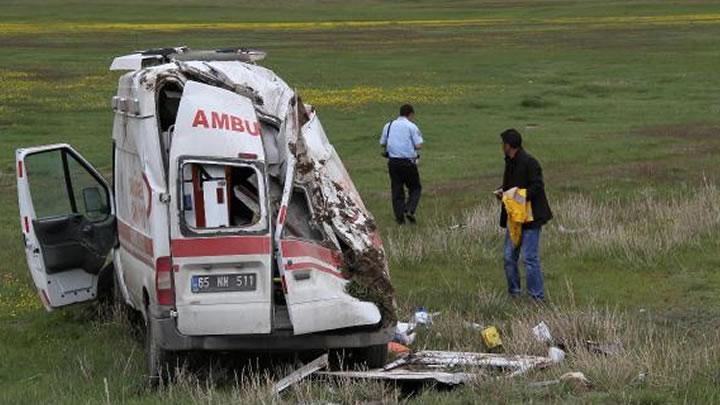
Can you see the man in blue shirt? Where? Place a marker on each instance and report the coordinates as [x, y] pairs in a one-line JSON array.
[[401, 139]]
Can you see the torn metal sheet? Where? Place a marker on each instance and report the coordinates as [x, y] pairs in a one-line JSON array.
[[453, 359], [301, 373], [516, 364], [451, 368], [406, 375]]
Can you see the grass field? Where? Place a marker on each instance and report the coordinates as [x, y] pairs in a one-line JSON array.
[[617, 99]]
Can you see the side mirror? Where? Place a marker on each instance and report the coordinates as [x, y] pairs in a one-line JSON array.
[[94, 202]]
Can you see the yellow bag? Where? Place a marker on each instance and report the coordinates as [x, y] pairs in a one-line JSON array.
[[519, 212]]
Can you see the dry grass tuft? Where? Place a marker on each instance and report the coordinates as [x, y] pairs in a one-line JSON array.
[[635, 230]]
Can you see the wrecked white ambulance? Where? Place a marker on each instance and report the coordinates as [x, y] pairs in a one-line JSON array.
[[230, 222]]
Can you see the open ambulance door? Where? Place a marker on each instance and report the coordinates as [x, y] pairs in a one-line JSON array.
[[313, 277], [67, 217]]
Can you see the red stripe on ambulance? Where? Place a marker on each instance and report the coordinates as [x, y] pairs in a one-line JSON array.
[[221, 246], [296, 248]]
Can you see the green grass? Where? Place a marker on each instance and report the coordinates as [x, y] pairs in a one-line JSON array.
[[616, 112]]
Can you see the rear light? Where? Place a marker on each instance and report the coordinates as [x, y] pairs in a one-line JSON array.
[[248, 156], [164, 283]]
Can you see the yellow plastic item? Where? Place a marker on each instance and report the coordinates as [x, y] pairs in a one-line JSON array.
[[491, 337], [519, 211]]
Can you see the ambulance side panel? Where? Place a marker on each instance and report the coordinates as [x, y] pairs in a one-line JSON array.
[[139, 185]]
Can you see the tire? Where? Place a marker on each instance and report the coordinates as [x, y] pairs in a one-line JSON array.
[[161, 364], [369, 357], [117, 294], [373, 356]]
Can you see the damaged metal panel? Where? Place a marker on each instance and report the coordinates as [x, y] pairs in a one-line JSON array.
[[440, 377]]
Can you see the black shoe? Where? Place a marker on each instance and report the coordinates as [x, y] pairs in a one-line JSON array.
[[411, 218]]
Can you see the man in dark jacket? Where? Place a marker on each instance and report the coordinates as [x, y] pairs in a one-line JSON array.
[[524, 171]]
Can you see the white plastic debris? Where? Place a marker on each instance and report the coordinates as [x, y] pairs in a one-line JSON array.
[[404, 333], [556, 354], [541, 332], [472, 325], [422, 317]]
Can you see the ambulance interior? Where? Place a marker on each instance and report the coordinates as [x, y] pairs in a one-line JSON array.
[[222, 196]]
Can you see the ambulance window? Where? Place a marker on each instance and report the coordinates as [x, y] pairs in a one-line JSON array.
[[168, 102], [300, 222], [222, 196], [62, 186]]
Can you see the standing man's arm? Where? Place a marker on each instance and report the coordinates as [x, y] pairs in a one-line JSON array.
[[535, 179], [384, 136], [417, 138]]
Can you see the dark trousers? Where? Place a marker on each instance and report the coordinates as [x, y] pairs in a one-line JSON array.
[[404, 173]]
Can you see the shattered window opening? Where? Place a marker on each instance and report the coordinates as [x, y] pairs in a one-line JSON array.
[[300, 222], [217, 196], [168, 102]]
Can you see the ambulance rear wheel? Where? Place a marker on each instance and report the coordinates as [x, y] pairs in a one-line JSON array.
[[359, 358], [372, 356], [161, 364]]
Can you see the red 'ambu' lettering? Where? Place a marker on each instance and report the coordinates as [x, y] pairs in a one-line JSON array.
[[255, 130], [200, 119], [237, 124], [226, 122], [220, 120]]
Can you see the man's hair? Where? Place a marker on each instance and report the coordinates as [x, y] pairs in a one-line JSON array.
[[406, 110], [512, 137]]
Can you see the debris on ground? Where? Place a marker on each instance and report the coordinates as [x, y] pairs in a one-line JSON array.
[[422, 317], [491, 338], [441, 367], [439, 377], [472, 325], [604, 348], [556, 354], [397, 348], [575, 380], [542, 333], [449, 368], [301, 373], [404, 333]]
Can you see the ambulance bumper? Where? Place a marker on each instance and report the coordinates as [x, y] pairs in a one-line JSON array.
[[169, 338]]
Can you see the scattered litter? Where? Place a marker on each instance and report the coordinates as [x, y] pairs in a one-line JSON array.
[[422, 317], [404, 333], [398, 348], [604, 348], [556, 354], [541, 332], [576, 380], [472, 325], [457, 226], [640, 379], [299, 374], [491, 338]]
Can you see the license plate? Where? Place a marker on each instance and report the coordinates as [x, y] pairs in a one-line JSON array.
[[224, 283]]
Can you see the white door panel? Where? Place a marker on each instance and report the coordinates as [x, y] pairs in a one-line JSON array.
[[67, 221]]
